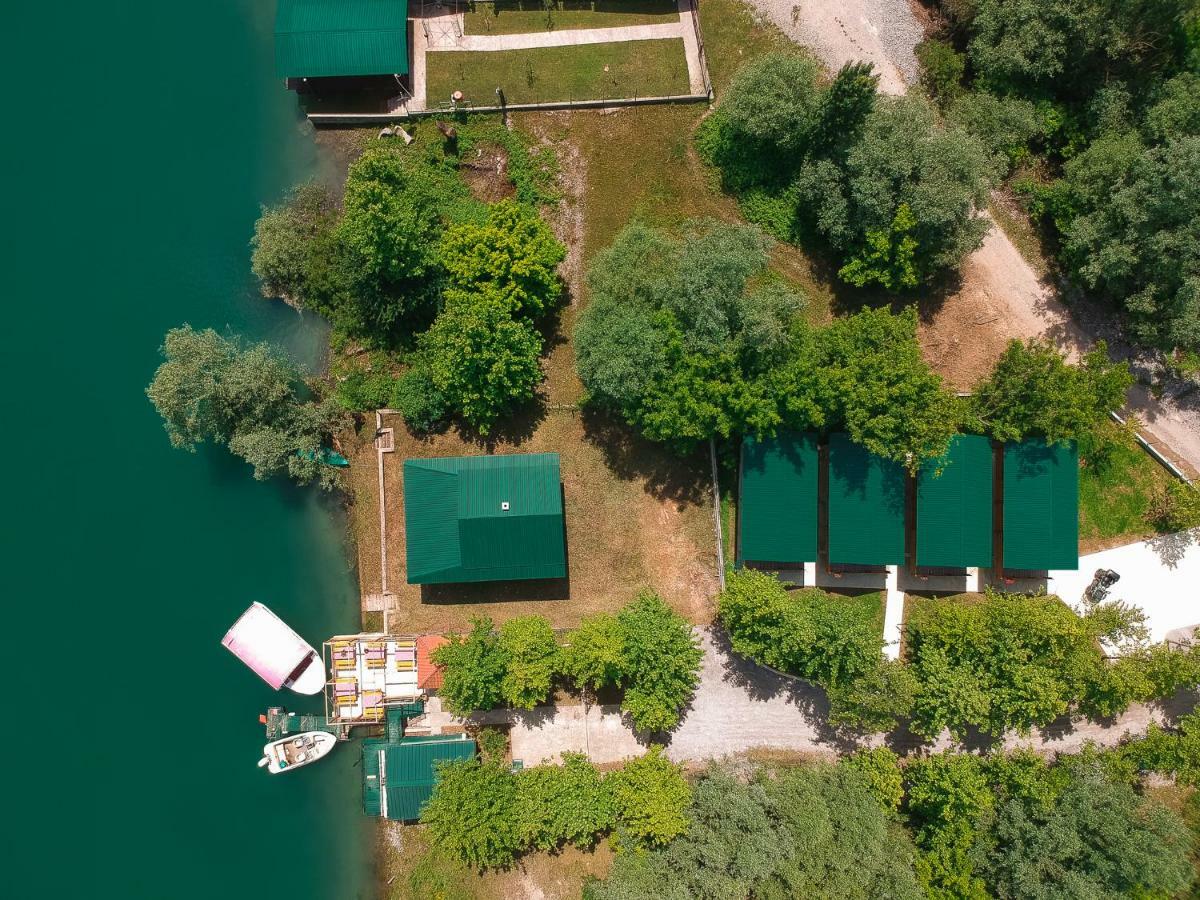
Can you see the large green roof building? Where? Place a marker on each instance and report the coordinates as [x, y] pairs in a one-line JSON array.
[[1041, 506], [399, 776], [866, 506], [777, 512], [484, 518], [954, 506], [318, 38]]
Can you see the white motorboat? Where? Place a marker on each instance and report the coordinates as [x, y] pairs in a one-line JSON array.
[[278, 655], [296, 750]]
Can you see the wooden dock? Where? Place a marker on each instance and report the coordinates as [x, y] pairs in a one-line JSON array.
[[280, 723]]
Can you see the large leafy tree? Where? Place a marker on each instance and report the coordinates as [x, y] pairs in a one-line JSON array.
[[662, 663], [293, 247], [650, 798], [1034, 392], [567, 804], [473, 813], [213, 388], [474, 667], [480, 359], [1130, 220], [595, 652], [532, 660]]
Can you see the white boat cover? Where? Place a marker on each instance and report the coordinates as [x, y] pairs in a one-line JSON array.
[[278, 655]]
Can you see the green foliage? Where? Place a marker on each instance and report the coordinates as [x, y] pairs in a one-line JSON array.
[[880, 768], [1099, 838], [888, 257], [651, 799], [423, 406], [1175, 508], [1006, 662], [567, 804], [1175, 753], [493, 744], [774, 100], [814, 831], [1034, 392], [480, 359], [844, 107], [1006, 126], [947, 800], [291, 245], [1176, 113], [1130, 220], [595, 653], [662, 663], [674, 340], [212, 388], [366, 391], [474, 667], [531, 652], [473, 813], [942, 69], [513, 256], [875, 700], [388, 244]]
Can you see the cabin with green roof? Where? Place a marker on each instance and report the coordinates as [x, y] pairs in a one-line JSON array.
[[484, 518], [777, 512], [1041, 506], [866, 506], [337, 38], [954, 506]]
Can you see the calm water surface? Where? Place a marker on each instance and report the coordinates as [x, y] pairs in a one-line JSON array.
[[140, 139]]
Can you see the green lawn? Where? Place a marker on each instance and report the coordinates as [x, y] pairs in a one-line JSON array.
[[1115, 488], [525, 16], [553, 74]]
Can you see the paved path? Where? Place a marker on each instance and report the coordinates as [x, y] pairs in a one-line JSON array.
[[741, 706]]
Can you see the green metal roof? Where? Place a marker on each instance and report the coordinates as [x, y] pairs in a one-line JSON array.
[[954, 506], [315, 38], [777, 509], [866, 506], [1041, 506], [457, 528], [372, 802], [410, 771]]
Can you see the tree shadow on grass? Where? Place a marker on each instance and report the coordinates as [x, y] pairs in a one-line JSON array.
[[514, 427], [631, 457]]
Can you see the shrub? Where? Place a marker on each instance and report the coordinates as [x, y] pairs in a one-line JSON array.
[[364, 392], [880, 768], [662, 663], [651, 799], [473, 813], [565, 804], [532, 660], [423, 406], [493, 744], [595, 652], [942, 69], [774, 100], [1005, 125]]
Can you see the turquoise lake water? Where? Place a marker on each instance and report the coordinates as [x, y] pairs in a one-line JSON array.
[[140, 140]]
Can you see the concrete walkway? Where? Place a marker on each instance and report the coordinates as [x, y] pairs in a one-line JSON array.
[[1161, 576], [567, 38], [741, 706]]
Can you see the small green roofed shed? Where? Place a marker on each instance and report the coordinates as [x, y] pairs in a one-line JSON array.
[[484, 518], [1041, 506], [954, 506], [399, 778], [320, 38], [777, 512], [866, 506]]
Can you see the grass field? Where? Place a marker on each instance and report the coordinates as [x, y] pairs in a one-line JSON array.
[[1114, 494], [527, 16], [654, 68]]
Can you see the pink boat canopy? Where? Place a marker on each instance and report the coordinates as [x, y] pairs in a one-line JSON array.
[[278, 655]]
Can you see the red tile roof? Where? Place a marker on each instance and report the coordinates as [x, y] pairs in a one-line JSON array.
[[429, 676]]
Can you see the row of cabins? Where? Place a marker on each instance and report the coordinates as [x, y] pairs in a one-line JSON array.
[[1013, 508]]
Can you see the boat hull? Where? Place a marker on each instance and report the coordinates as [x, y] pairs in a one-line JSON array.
[[297, 750]]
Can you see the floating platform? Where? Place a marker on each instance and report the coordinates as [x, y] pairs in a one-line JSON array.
[[280, 723]]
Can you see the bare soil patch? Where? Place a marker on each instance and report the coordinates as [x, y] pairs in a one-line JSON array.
[[486, 173]]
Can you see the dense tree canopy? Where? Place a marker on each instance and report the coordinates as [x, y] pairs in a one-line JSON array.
[[474, 667], [662, 663], [891, 191], [1034, 392], [213, 388]]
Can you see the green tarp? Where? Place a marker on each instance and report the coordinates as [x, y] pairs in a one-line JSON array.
[[866, 506], [778, 506], [317, 38], [1041, 506], [954, 506], [484, 518]]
